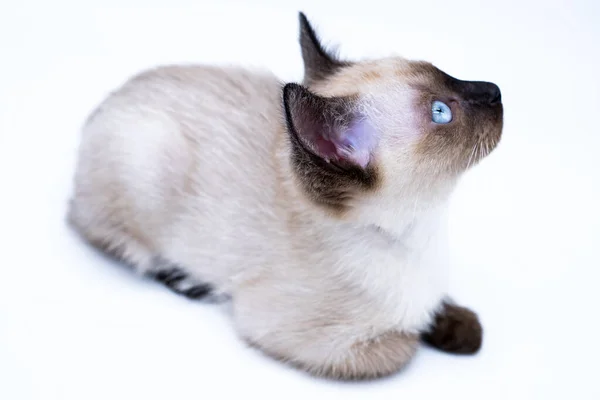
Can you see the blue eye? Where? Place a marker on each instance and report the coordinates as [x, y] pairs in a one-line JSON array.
[[440, 113]]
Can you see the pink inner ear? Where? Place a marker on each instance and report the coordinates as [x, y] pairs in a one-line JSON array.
[[355, 143], [330, 128], [325, 148]]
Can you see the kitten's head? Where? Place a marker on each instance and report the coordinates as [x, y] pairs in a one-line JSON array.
[[381, 131]]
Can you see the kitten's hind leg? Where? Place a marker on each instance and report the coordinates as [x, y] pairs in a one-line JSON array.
[[114, 241], [103, 230]]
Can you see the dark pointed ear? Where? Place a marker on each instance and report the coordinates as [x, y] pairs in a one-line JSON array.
[[318, 62], [329, 128]]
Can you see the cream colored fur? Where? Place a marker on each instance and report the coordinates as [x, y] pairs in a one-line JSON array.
[[190, 164]]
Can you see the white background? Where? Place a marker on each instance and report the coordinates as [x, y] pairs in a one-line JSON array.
[[74, 325]]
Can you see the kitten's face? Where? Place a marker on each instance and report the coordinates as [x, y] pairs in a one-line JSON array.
[[386, 128], [457, 122]]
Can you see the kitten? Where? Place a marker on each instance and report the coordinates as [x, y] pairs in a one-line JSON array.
[[318, 208]]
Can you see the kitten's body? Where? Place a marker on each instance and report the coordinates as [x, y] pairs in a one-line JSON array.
[[252, 228], [189, 167]]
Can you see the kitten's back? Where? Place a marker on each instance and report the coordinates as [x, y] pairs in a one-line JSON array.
[[193, 140]]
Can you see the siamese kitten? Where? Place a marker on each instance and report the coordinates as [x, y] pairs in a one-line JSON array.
[[318, 208]]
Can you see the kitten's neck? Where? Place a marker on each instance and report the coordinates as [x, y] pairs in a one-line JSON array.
[[410, 216]]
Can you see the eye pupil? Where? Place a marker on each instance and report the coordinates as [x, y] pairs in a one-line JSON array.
[[441, 113]]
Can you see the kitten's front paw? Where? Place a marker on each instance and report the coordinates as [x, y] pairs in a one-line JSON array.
[[455, 330]]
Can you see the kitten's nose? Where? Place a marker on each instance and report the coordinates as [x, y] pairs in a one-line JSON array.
[[495, 95], [481, 92], [486, 92]]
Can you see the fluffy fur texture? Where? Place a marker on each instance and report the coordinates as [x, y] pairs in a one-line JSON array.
[[319, 209]]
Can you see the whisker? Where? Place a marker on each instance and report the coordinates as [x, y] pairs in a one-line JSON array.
[[471, 157]]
